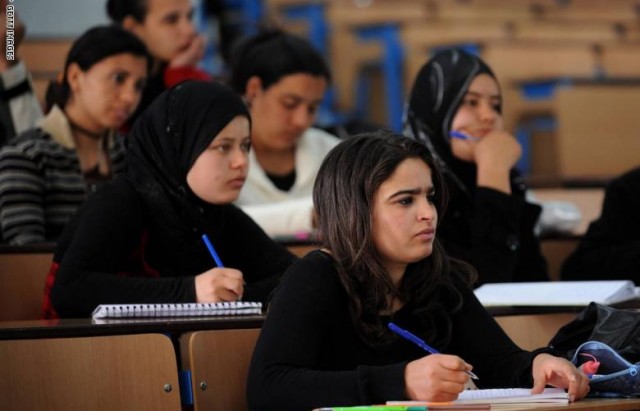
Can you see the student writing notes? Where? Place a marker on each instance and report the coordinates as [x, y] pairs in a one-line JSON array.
[[138, 240], [455, 109], [325, 340]]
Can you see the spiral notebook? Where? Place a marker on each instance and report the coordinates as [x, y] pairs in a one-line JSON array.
[[176, 310]]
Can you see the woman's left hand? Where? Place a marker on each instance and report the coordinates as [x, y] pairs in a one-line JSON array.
[[558, 372]]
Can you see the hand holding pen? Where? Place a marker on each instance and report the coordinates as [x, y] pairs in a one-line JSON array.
[[434, 377], [219, 283]]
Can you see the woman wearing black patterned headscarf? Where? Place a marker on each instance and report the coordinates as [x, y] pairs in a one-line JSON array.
[[455, 108], [139, 239]]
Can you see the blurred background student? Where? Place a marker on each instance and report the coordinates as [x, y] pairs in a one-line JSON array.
[[326, 342], [46, 172], [283, 80], [19, 106], [455, 109], [610, 250], [166, 28], [139, 239]]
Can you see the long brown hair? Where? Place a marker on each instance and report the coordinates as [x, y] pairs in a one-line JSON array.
[[343, 196]]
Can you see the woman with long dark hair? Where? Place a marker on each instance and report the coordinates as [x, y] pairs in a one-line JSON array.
[[326, 341]]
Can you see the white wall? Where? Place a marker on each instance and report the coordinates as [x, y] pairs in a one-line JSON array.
[[60, 18]]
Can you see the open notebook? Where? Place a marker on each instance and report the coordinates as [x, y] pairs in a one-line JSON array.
[[556, 293], [176, 310], [498, 397]]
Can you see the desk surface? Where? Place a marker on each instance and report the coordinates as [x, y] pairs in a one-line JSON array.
[[603, 404], [86, 327]]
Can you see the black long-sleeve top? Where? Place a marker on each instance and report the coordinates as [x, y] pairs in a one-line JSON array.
[[610, 249], [494, 232], [309, 355], [107, 255]]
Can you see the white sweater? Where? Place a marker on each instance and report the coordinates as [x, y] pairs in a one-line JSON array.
[[286, 212]]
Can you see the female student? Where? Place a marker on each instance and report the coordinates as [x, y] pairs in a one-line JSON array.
[[283, 80], [326, 342], [46, 172], [455, 109], [167, 29], [139, 239]]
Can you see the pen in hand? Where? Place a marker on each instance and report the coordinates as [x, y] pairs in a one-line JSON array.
[[417, 341], [212, 251], [215, 255]]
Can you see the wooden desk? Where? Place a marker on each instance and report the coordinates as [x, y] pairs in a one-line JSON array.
[[529, 327], [600, 404], [533, 330], [85, 327], [588, 200]]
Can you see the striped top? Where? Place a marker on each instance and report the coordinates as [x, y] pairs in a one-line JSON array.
[[41, 184]]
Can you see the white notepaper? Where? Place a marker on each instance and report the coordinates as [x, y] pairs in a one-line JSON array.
[[559, 293]]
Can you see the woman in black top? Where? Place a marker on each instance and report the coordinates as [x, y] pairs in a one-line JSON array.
[[455, 109], [325, 341], [138, 240]]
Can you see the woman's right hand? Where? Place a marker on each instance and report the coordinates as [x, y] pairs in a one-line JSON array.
[[436, 377], [219, 284], [495, 155]]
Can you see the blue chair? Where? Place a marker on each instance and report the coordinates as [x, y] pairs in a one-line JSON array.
[[392, 69]]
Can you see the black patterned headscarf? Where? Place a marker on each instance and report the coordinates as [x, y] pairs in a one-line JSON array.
[[163, 146], [435, 98]]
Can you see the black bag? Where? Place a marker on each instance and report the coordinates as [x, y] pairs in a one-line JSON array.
[[617, 328]]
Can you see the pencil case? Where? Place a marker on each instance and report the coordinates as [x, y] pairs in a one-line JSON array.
[[615, 376]]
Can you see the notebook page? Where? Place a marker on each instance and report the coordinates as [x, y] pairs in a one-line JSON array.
[[513, 395], [572, 293], [502, 396]]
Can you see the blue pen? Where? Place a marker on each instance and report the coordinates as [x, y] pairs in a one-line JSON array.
[[417, 341], [212, 251], [457, 134]]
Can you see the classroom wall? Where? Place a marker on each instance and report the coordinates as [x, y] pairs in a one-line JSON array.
[[60, 18]]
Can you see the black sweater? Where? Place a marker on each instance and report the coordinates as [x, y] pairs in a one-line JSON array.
[[611, 247], [494, 233], [107, 256], [309, 355]]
